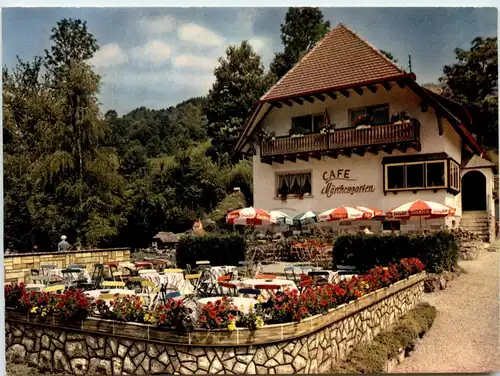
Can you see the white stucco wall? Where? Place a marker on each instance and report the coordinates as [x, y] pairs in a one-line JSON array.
[[367, 169]]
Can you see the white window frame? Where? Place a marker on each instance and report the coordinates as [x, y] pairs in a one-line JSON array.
[[454, 175], [284, 173], [351, 110]]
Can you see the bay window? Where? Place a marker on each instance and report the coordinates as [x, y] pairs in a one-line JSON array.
[[421, 172]]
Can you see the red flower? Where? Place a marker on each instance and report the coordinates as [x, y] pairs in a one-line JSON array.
[[218, 320], [203, 319]]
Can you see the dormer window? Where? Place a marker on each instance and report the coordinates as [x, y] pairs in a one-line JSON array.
[[307, 124]]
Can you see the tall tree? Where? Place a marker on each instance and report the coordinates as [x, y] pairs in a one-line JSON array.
[[239, 82], [473, 81], [303, 28]]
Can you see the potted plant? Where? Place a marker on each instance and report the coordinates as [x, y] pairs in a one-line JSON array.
[[362, 120], [328, 128], [297, 131]]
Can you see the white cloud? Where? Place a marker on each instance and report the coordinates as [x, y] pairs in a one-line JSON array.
[[155, 51], [200, 35], [192, 61], [109, 55], [158, 25]]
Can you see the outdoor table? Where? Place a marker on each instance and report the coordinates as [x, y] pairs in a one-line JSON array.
[[218, 271], [333, 276], [171, 280], [251, 283], [56, 275], [95, 293], [243, 304]]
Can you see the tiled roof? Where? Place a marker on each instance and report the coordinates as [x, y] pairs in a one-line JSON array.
[[340, 60]]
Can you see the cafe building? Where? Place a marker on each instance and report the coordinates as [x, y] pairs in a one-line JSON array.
[[347, 126]]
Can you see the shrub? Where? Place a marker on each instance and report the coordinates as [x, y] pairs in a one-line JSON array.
[[13, 294], [173, 314], [437, 250], [372, 357], [219, 249], [219, 315], [290, 306]]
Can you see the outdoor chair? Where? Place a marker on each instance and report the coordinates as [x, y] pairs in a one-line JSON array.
[[231, 287], [96, 279], [144, 265], [160, 264], [203, 262], [35, 272], [117, 276], [272, 289], [188, 269], [44, 268], [40, 279], [319, 278], [68, 276], [245, 268], [55, 288], [346, 269], [40, 287], [112, 265], [223, 278], [108, 296], [245, 292], [194, 279], [135, 283], [205, 286], [165, 294], [75, 266], [305, 284], [265, 276], [115, 284], [290, 274]]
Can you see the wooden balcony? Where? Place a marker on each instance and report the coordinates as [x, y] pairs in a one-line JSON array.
[[344, 141]]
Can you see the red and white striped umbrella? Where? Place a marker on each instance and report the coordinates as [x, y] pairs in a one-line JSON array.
[[421, 208], [370, 212], [343, 213], [249, 216]]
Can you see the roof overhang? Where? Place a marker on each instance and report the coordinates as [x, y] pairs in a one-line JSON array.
[[456, 114]]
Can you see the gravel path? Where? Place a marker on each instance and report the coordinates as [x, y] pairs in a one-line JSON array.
[[465, 334]]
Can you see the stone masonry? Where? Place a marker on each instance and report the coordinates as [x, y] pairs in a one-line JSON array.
[[90, 353]]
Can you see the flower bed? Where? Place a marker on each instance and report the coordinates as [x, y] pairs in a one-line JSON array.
[[285, 307]]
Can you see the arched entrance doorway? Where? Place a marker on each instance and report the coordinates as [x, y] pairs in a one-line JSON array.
[[474, 191]]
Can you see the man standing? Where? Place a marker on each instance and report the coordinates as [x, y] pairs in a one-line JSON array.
[[63, 245]]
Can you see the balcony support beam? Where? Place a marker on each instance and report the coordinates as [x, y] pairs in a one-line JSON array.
[[359, 151], [298, 101], [346, 152], [267, 160], [303, 157], [332, 154], [373, 150], [316, 156], [417, 146], [279, 159], [387, 86], [401, 148], [372, 88], [387, 149], [358, 90], [309, 99], [344, 92], [291, 158], [320, 97]]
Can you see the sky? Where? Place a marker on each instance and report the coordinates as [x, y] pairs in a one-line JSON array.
[[158, 57]]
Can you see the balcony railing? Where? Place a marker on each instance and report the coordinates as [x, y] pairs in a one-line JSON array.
[[340, 139]]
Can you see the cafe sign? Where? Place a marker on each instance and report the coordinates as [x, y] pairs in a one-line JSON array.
[[341, 182]]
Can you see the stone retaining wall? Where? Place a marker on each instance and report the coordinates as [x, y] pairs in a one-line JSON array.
[[311, 346], [17, 267]]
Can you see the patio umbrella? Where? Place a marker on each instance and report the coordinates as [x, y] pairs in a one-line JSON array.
[[281, 218], [305, 217], [343, 213], [371, 212], [249, 216], [420, 208]]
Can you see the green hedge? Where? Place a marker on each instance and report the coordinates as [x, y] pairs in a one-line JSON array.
[[372, 357], [219, 249], [437, 250]]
